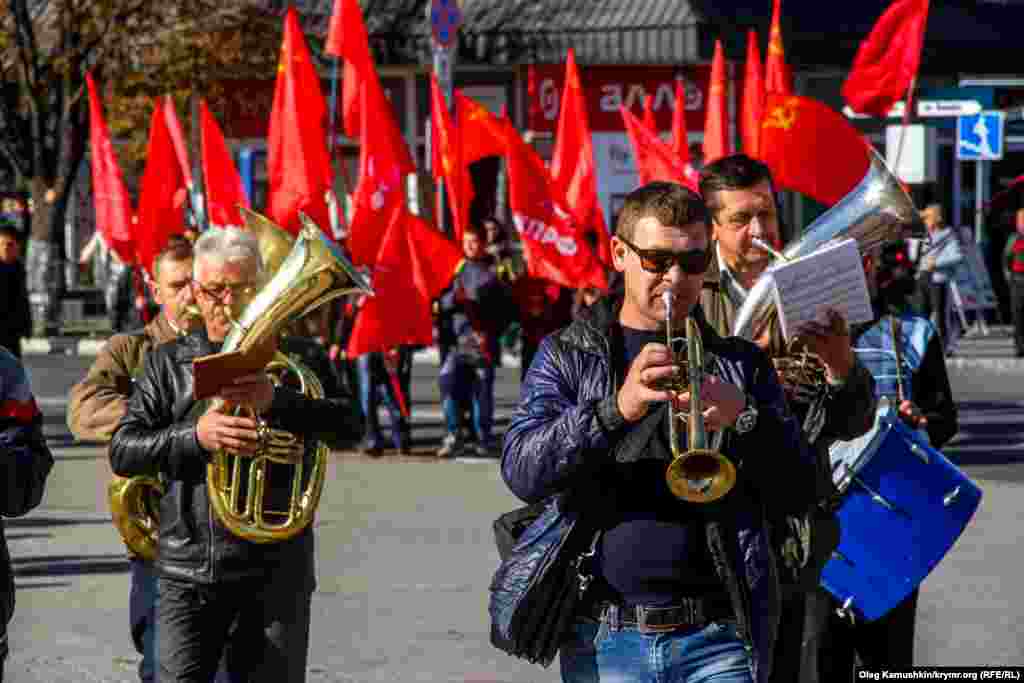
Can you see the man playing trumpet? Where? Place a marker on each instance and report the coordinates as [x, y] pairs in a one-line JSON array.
[[593, 425], [745, 225], [214, 586]]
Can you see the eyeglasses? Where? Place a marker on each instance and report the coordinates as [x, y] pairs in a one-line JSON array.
[[218, 291], [659, 261]]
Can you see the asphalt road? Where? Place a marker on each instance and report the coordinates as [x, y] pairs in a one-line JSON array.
[[405, 554]]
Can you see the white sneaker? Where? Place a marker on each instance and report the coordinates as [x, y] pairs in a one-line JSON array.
[[449, 446]]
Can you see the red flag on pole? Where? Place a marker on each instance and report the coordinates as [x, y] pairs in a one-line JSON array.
[[573, 171], [298, 164], [347, 38], [811, 148], [553, 244], [224, 189], [414, 265], [447, 162], [888, 59], [753, 98], [379, 193], [110, 197], [177, 139], [162, 193], [680, 137], [777, 78], [654, 159], [716, 121], [481, 133], [648, 120]]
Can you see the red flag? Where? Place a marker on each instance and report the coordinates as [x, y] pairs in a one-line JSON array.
[[415, 263], [348, 39], [162, 193], [447, 160], [553, 244], [573, 171], [110, 197], [648, 120], [753, 98], [379, 192], [811, 148], [177, 139], [716, 121], [887, 61], [680, 137], [481, 133], [654, 159], [777, 77], [224, 189], [298, 165]]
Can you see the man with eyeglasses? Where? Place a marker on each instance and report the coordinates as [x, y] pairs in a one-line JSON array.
[[742, 205], [683, 592], [215, 589]]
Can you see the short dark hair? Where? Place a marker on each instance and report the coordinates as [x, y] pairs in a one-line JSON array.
[[10, 231], [476, 229], [670, 203], [178, 248], [736, 172]]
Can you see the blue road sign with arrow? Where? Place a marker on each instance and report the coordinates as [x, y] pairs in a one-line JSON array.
[[979, 137]]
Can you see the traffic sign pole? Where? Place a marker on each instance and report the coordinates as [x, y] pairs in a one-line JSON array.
[[445, 19]]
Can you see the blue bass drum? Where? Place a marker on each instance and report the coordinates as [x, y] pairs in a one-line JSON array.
[[903, 506]]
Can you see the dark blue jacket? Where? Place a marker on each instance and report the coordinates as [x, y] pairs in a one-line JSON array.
[[25, 462], [568, 430]]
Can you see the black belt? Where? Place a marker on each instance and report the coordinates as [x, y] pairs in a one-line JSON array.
[[646, 619]]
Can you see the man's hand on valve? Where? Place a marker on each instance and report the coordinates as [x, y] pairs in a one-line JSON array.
[[831, 342]]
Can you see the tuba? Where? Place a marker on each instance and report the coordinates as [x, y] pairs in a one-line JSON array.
[[134, 507], [701, 474], [313, 272], [876, 211]]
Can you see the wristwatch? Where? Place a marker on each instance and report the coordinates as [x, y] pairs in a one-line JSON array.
[[747, 419]]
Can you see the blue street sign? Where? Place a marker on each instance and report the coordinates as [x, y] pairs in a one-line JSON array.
[[445, 19], [979, 137]]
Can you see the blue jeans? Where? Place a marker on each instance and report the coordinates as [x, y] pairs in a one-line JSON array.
[[375, 387], [460, 381], [711, 654]]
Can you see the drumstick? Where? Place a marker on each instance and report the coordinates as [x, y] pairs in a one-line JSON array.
[[894, 329]]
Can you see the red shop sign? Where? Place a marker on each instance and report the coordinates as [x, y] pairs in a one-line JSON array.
[[609, 87]]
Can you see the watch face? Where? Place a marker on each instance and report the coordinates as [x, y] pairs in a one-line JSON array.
[[746, 421]]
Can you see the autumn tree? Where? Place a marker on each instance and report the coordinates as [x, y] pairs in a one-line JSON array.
[[136, 48]]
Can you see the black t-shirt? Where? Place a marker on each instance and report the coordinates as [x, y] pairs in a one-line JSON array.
[[657, 550]]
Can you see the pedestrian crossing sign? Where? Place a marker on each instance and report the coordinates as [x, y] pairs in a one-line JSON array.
[[979, 137]]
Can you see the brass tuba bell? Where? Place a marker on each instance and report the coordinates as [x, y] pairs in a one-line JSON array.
[[314, 272], [701, 474]]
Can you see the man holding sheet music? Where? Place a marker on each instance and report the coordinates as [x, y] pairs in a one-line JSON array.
[[740, 196]]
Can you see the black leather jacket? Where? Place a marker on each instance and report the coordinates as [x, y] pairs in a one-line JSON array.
[[158, 435]]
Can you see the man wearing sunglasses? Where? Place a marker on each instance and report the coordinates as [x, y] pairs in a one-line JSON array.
[[683, 592], [741, 202]]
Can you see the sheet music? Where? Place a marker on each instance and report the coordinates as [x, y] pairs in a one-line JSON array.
[[832, 277]]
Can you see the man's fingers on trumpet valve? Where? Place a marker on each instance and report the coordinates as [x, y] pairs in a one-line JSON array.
[[912, 415], [722, 402], [652, 367]]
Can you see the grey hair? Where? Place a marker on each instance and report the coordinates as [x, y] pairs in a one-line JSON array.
[[226, 245]]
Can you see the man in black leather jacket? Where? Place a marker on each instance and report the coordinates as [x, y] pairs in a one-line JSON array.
[[214, 586]]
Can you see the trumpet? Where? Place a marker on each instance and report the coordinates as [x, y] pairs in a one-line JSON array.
[[701, 474]]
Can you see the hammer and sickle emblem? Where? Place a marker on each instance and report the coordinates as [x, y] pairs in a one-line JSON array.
[[782, 116]]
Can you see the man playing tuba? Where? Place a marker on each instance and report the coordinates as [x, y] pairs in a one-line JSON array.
[[100, 400], [213, 586], [741, 202]]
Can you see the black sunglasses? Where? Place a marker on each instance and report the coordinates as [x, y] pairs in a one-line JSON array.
[[659, 261]]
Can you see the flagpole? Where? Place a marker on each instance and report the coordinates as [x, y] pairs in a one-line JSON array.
[[333, 108], [906, 122]]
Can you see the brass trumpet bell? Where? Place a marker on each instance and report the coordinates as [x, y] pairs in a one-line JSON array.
[[701, 474]]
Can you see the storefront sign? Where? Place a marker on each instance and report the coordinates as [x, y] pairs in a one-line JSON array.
[[608, 88]]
